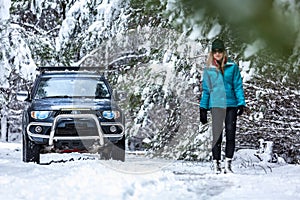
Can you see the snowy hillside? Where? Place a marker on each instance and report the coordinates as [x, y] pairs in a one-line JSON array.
[[83, 176]]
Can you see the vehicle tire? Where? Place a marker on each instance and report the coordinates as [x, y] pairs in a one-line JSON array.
[[31, 151], [105, 153], [118, 151]]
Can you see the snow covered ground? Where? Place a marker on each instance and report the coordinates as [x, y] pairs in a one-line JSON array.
[[84, 176]]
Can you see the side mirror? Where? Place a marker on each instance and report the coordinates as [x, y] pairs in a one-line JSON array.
[[23, 96]]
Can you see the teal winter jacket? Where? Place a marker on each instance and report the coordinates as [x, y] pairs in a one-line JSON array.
[[222, 90]]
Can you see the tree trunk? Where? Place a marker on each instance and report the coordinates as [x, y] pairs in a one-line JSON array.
[[3, 128]]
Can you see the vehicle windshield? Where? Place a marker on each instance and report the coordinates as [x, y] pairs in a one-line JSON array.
[[66, 87]]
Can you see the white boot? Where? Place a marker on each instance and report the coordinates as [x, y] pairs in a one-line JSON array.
[[228, 166], [217, 166]]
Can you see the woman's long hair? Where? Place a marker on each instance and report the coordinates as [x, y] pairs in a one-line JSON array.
[[212, 61]]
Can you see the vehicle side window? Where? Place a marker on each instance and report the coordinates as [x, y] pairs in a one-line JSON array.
[[101, 90], [41, 92]]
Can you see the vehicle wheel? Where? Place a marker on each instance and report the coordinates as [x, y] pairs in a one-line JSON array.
[[118, 151], [31, 151], [105, 153]]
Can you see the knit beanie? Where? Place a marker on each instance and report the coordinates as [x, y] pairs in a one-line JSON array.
[[217, 44]]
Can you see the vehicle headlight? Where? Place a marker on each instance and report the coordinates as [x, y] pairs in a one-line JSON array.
[[111, 114], [40, 114]]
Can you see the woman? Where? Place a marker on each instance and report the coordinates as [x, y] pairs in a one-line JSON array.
[[223, 94]]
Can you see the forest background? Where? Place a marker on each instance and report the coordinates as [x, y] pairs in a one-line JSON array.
[[158, 49]]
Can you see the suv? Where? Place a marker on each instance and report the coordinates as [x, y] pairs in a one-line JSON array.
[[72, 109]]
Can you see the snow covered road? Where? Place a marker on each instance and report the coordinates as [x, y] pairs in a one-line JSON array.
[[83, 176]]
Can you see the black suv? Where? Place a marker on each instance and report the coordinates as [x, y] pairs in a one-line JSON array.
[[72, 109]]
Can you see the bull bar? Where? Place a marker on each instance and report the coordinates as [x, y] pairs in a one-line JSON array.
[[53, 126]]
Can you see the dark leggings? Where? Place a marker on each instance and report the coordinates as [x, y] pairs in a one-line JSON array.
[[219, 115]]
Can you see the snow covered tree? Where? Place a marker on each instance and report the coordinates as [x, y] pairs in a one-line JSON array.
[[17, 70], [265, 32]]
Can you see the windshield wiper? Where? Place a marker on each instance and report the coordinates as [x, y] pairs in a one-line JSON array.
[[50, 97]]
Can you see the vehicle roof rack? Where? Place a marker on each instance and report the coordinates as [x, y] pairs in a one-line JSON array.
[[72, 68]]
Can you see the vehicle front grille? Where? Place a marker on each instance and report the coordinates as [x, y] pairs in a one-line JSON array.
[[61, 112], [77, 127], [76, 131]]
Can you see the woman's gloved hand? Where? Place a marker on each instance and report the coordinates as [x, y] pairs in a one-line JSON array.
[[240, 110], [203, 115]]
